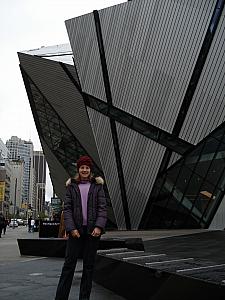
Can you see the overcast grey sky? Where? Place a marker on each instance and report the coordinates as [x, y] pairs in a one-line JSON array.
[[24, 25]]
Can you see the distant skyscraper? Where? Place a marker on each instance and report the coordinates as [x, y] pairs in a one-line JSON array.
[[23, 150], [5, 174], [16, 185], [4, 153], [39, 163]]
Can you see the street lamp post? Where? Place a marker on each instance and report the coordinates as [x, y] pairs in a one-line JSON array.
[[14, 208]]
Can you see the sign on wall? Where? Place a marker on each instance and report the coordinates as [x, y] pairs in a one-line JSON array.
[[2, 191]]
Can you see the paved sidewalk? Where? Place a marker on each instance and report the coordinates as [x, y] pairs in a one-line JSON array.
[[36, 278]]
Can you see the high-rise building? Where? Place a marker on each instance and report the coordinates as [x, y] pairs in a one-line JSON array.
[[4, 152], [39, 163], [5, 174], [16, 186], [23, 150]]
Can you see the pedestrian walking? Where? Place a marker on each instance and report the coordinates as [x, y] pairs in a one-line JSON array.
[[6, 223], [29, 224], [32, 223], [85, 218], [2, 223]]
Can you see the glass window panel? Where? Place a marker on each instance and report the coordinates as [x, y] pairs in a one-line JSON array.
[[55, 129], [52, 118], [221, 183], [43, 122], [206, 157], [219, 133], [40, 108], [64, 129], [204, 198], [183, 179], [42, 114], [210, 147], [192, 191], [56, 133], [154, 221], [175, 202], [216, 170], [61, 151], [164, 194], [167, 215], [192, 222], [180, 217], [193, 157], [217, 196], [173, 173], [157, 187]]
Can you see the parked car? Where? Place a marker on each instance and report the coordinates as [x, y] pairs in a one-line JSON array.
[[20, 222], [13, 223]]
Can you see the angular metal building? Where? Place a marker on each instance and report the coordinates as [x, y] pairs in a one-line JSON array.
[[142, 92]]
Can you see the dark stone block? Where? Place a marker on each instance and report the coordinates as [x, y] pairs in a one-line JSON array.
[[133, 281], [55, 247], [49, 229]]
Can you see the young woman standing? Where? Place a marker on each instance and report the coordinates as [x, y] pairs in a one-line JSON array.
[[85, 218]]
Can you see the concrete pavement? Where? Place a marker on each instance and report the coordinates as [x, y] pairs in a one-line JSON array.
[[36, 278]]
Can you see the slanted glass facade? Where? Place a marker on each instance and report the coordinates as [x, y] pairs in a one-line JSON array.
[[190, 191], [56, 134]]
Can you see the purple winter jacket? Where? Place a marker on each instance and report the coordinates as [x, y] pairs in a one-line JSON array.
[[96, 207]]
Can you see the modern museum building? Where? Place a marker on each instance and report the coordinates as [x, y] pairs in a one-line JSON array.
[[141, 90]]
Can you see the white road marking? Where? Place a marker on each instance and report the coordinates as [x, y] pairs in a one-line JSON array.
[[36, 274], [119, 253], [143, 256], [31, 259], [200, 268], [168, 261], [113, 249]]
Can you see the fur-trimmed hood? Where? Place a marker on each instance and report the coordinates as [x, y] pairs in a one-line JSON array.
[[97, 180]]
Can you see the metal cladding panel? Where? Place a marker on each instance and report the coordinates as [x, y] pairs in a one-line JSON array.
[[207, 110], [83, 40], [151, 49], [57, 173], [62, 53], [62, 94], [103, 137], [141, 159]]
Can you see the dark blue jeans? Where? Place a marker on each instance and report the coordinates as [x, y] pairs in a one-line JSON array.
[[87, 245]]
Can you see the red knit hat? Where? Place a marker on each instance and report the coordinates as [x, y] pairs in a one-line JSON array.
[[84, 160]]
